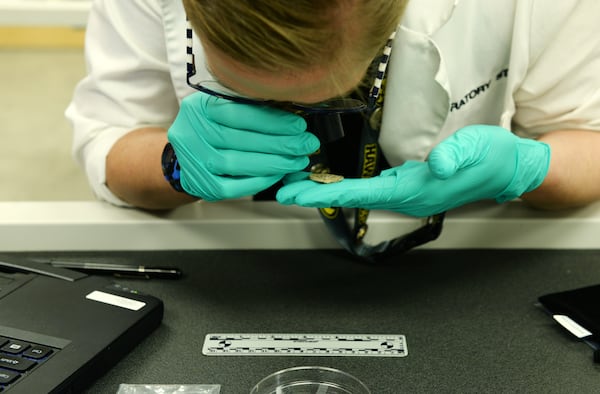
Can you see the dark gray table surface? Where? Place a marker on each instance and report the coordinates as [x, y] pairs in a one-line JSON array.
[[469, 317]]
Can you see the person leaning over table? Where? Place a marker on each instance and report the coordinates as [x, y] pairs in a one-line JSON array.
[[483, 100]]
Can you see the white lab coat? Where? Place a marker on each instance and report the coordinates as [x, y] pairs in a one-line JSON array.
[[531, 66]]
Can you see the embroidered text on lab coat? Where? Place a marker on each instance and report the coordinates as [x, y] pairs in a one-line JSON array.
[[475, 92]]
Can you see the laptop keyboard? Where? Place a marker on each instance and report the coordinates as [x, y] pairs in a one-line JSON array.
[[19, 358]]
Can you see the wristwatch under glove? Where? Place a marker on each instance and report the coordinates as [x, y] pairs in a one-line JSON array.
[[170, 168]]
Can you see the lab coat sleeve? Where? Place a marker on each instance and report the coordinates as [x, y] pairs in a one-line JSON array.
[[128, 84], [561, 87]]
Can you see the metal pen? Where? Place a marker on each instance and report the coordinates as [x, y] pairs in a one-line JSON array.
[[122, 270]]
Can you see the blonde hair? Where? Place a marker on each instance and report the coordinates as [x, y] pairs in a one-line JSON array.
[[280, 35]]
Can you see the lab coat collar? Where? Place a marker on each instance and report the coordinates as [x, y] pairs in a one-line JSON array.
[[418, 84], [438, 12]]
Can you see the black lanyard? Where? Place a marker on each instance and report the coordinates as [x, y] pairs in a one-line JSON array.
[[369, 164]]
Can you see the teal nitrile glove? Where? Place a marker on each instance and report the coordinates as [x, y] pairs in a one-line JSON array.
[[229, 150], [477, 162]]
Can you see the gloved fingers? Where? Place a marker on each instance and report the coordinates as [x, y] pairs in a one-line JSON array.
[[224, 187], [466, 147], [265, 120], [248, 141], [405, 189], [350, 193], [288, 193], [295, 177], [445, 159], [236, 163]]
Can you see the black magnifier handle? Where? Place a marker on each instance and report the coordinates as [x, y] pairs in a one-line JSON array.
[[326, 126]]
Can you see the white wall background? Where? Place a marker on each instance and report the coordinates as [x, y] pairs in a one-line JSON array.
[[44, 12]]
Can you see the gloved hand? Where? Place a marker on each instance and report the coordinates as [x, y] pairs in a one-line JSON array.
[[477, 162], [229, 150]]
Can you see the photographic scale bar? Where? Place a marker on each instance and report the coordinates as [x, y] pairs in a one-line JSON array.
[[305, 345]]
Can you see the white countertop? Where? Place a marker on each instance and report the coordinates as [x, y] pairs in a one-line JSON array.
[[243, 224]]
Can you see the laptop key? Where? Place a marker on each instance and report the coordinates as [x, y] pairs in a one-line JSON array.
[[14, 347], [18, 357], [7, 377], [37, 351], [15, 363]]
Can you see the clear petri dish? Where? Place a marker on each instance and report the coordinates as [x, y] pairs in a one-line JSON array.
[[310, 380]]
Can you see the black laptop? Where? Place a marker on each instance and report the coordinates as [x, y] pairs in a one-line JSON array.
[[61, 329]]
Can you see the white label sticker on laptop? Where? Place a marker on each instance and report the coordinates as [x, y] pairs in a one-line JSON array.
[[115, 300], [574, 328]]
